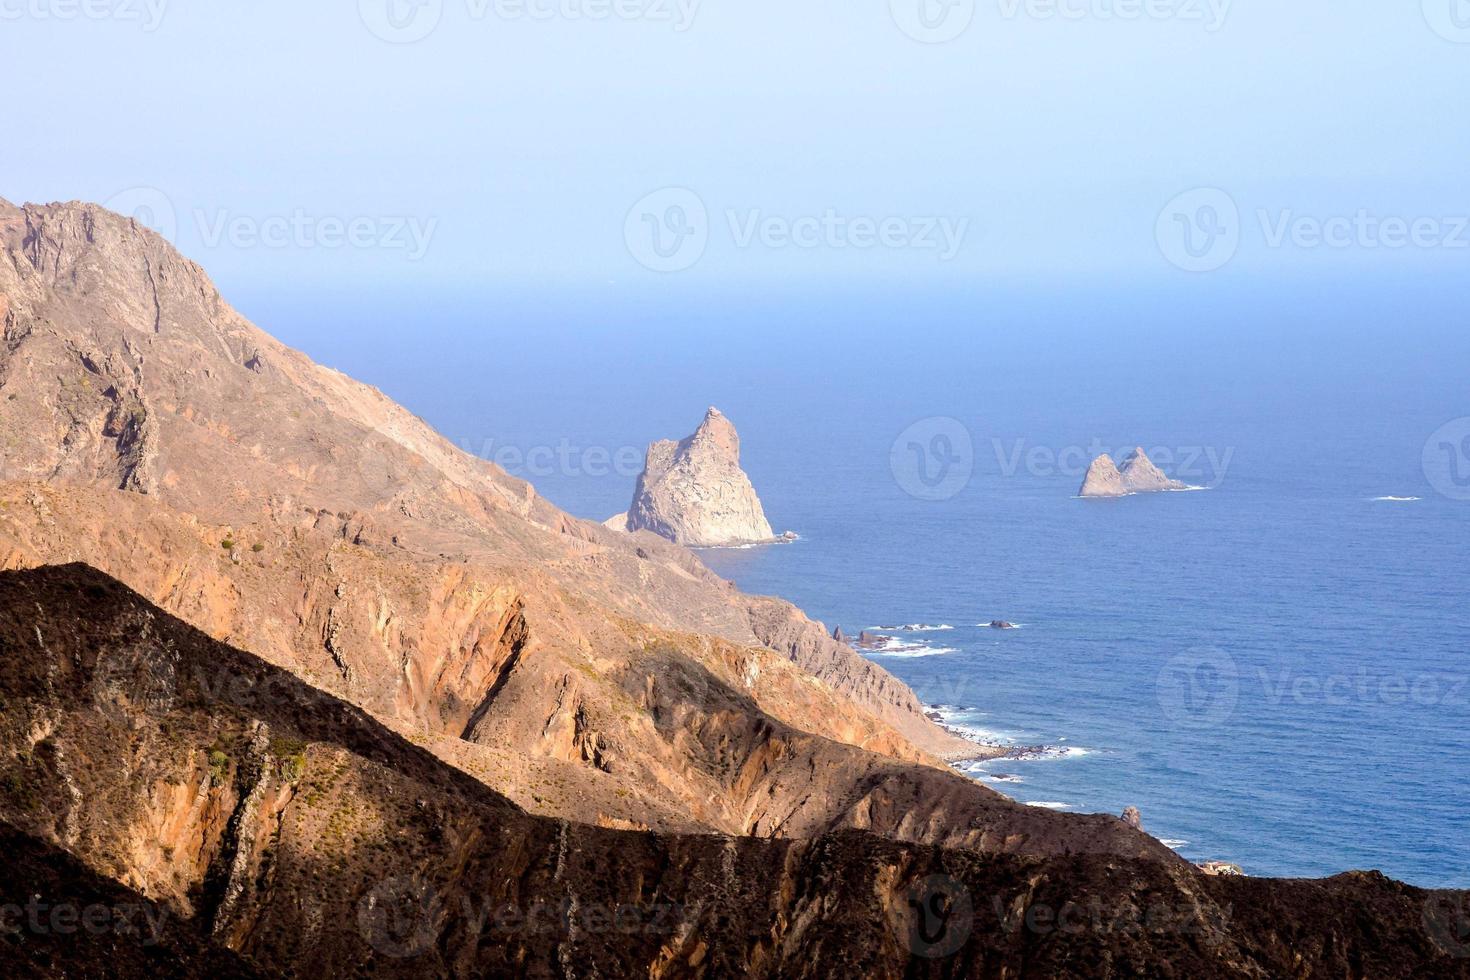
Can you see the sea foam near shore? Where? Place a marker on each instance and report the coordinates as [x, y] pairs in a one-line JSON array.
[[894, 647]]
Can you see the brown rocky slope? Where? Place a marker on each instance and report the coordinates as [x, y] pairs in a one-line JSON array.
[[291, 829], [152, 432], [121, 367]]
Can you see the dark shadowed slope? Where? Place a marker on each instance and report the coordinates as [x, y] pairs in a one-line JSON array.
[[291, 828]]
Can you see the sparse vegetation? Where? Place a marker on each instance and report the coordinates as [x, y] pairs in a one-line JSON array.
[[257, 547], [290, 756], [292, 768], [228, 544], [18, 788]]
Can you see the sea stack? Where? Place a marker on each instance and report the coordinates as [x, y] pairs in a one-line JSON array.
[[1103, 479], [1138, 474], [694, 492]]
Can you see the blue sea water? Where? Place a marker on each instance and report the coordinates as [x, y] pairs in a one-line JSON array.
[[1274, 670]]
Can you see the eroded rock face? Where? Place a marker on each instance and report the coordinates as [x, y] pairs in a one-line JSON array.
[[267, 828], [694, 492], [1138, 474], [1142, 476], [148, 429], [1103, 479]]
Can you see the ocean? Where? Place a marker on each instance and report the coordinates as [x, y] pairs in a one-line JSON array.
[[1273, 669]]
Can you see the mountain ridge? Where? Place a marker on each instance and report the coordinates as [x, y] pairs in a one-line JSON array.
[[290, 834], [154, 433]]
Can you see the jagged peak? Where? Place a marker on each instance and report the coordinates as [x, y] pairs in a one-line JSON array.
[[718, 432], [694, 492], [99, 216]]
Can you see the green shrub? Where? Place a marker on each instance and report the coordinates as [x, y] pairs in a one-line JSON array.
[[228, 544], [292, 768]]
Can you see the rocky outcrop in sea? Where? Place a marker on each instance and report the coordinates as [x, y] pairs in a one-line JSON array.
[[1137, 474], [694, 492]]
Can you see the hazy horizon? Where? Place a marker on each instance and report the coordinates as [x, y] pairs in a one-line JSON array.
[[823, 145]]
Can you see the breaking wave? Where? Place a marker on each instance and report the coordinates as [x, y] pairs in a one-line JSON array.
[[894, 647]]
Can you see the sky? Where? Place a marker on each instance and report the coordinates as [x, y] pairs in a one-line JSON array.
[[400, 147]]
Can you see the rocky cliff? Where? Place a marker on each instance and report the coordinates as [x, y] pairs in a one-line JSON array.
[[1103, 479], [152, 432], [694, 492], [274, 830], [440, 690], [1138, 474]]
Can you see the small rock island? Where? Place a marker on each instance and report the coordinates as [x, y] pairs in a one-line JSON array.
[[694, 492], [1138, 474]]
